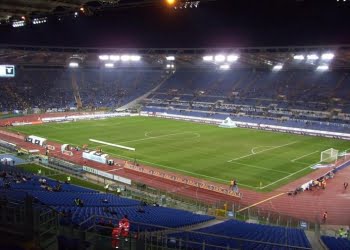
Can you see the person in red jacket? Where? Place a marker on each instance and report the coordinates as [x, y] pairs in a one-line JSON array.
[[115, 237], [121, 231]]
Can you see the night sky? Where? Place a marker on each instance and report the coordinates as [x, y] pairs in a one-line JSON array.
[[223, 23]]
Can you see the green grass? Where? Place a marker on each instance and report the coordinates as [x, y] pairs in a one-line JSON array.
[[33, 168], [205, 151]]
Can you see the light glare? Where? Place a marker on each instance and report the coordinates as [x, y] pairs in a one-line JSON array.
[[327, 56], [312, 57], [277, 67], [103, 57], [299, 57], [322, 68], [224, 67], [109, 65], [170, 58], [220, 58], [232, 58], [73, 65], [208, 58]]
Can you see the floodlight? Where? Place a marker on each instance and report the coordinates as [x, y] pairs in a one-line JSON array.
[[135, 58], [312, 57], [170, 58], [73, 65], [208, 58], [114, 57], [232, 58], [299, 57], [109, 65], [170, 2], [224, 67], [103, 57], [322, 68], [327, 56], [125, 58], [220, 58], [277, 67]]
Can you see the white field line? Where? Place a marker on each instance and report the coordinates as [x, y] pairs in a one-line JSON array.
[[180, 170], [112, 144], [304, 156], [253, 149], [253, 166], [245, 156], [160, 136], [300, 170]]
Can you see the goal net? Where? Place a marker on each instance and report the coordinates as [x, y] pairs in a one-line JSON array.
[[329, 155]]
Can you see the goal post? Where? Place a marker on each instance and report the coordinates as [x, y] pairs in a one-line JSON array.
[[329, 155]]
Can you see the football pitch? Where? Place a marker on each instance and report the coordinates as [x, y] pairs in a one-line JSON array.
[[259, 160]]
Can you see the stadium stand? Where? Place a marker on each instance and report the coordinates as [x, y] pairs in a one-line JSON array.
[[111, 89], [292, 98], [99, 208], [336, 243], [242, 230]]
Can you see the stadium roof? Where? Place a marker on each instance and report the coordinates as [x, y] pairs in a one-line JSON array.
[[249, 57]]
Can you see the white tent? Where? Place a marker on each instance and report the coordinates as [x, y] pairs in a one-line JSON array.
[[36, 140], [228, 123]]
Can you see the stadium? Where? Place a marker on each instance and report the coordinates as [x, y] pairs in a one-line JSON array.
[[179, 147]]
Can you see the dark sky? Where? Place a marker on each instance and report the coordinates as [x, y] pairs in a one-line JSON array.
[[223, 23]]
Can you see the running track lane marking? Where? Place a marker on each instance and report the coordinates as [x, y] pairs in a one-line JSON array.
[[253, 166], [304, 156], [255, 204], [181, 170], [245, 156]]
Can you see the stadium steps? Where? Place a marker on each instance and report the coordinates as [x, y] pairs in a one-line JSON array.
[[314, 241]]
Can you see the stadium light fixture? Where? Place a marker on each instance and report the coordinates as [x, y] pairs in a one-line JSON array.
[[170, 58], [232, 58], [170, 2], [312, 57], [220, 58], [225, 67], [208, 58], [103, 57], [17, 24], [109, 65], [322, 68], [299, 57], [327, 56], [135, 58], [125, 58], [114, 58], [277, 67], [73, 65]]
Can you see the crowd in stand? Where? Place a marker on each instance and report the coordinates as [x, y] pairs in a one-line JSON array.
[[46, 89]]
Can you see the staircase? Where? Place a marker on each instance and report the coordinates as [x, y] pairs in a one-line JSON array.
[[137, 100]]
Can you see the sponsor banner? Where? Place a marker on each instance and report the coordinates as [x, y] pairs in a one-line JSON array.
[[184, 180], [107, 175]]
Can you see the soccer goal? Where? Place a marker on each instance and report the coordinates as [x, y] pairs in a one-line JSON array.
[[329, 155]]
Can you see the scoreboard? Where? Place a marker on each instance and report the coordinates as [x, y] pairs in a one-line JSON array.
[[7, 71]]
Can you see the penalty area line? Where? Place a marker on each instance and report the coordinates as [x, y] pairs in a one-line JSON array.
[[304, 156], [286, 177], [272, 148]]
